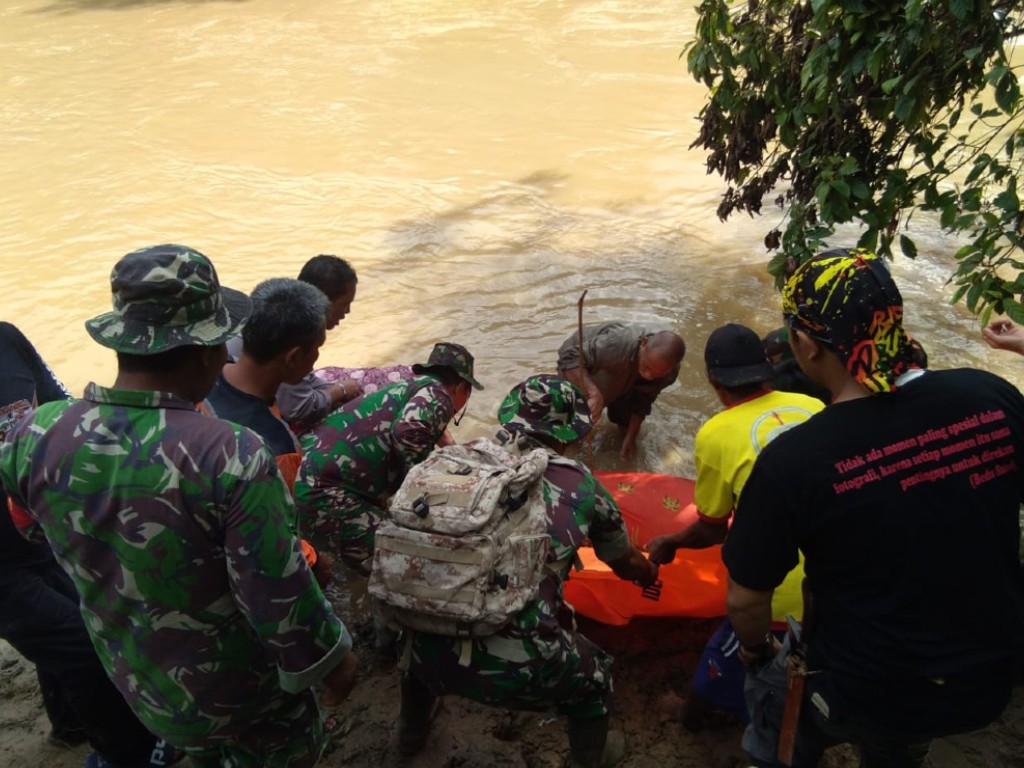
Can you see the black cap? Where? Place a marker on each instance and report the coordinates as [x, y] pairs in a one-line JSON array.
[[734, 356]]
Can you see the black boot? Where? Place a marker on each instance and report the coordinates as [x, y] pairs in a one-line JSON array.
[[592, 745], [415, 716]]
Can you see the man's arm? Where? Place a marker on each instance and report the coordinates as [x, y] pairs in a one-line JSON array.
[[270, 581], [750, 612], [312, 399], [700, 534], [611, 542], [422, 423], [578, 372], [595, 400], [307, 402], [629, 438]]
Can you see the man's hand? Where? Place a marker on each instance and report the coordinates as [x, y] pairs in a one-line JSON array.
[[340, 681], [629, 433], [596, 403], [758, 655], [447, 438], [648, 573], [343, 391], [1003, 334], [633, 566], [323, 569], [628, 447], [661, 550]]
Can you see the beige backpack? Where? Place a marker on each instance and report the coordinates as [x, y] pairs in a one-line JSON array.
[[465, 544]]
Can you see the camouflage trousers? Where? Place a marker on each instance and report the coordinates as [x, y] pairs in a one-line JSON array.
[[292, 736], [344, 524], [565, 672]]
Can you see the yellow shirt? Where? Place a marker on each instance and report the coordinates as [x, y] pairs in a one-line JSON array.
[[725, 450]]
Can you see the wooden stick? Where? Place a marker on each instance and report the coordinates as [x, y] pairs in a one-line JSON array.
[[583, 372]]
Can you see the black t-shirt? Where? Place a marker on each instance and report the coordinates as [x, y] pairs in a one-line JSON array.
[[25, 382], [229, 403], [906, 506]]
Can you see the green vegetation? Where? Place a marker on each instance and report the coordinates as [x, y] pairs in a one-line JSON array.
[[864, 111]]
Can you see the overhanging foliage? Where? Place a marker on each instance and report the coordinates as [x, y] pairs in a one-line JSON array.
[[865, 112]]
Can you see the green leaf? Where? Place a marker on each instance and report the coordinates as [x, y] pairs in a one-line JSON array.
[[997, 73], [986, 315], [981, 164], [959, 293], [1008, 200], [965, 250], [868, 240], [1008, 93], [1014, 310], [890, 85], [960, 8], [974, 293], [908, 246], [860, 190], [904, 107]]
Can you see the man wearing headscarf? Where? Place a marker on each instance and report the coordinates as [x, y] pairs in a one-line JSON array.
[[903, 495]]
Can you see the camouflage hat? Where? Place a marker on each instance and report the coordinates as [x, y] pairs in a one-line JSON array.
[[168, 296], [449, 355], [546, 405]]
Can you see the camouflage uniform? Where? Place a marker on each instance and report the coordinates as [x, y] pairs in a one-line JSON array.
[[357, 456], [539, 661], [178, 533]]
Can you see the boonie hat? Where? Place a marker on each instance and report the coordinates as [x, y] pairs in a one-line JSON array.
[[167, 296], [546, 405], [454, 356], [734, 356]]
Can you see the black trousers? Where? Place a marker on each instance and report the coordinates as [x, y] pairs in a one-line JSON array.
[[39, 617]]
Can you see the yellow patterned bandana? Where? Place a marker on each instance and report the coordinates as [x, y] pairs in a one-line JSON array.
[[848, 300]]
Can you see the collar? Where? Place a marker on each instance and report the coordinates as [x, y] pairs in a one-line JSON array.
[[748, 398], [133, 398]]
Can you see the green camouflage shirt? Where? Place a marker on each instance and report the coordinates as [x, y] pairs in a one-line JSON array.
[[179, 535]]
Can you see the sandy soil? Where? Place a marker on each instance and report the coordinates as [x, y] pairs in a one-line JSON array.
[[652, 659]]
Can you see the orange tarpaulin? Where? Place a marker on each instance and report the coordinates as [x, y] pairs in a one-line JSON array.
[[692, 585]]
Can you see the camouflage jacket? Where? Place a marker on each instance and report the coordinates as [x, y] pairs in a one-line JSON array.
[[179, 535], [367, 446], [579, 508]]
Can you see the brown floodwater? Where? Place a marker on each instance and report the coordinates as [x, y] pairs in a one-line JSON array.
[[480, 164]]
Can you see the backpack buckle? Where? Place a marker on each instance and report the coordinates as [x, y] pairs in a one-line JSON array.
[[420, 507], [499, 580]]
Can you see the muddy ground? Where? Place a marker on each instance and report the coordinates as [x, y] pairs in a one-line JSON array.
[[652, 661]]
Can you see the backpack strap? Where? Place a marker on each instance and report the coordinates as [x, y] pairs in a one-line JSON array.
[[406, 657], [466, 652]]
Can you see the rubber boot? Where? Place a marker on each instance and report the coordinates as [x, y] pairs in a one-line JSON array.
[[592, 745], [415, 716]]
